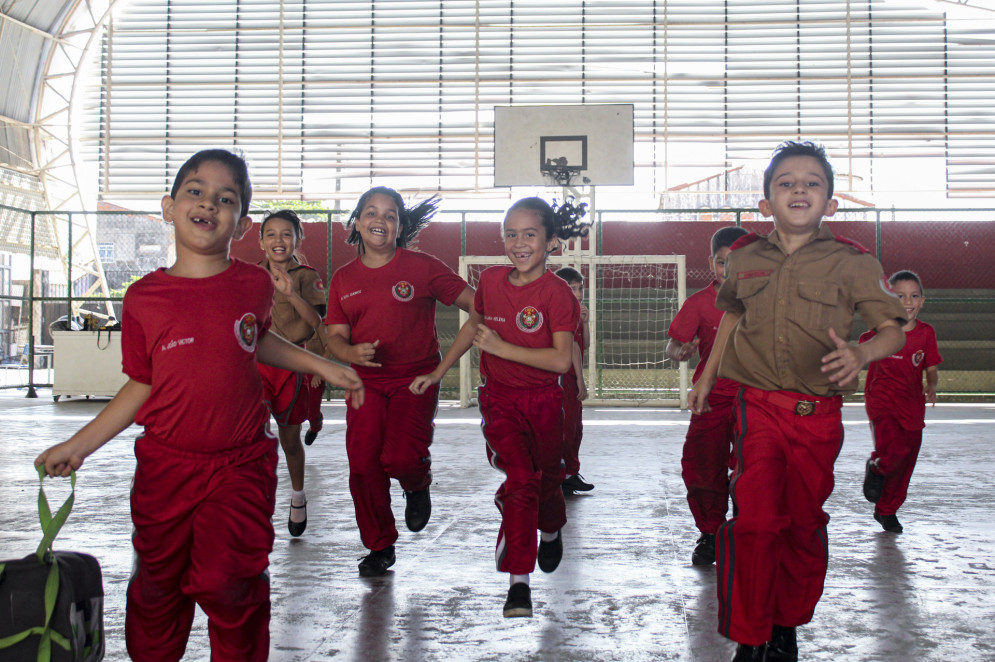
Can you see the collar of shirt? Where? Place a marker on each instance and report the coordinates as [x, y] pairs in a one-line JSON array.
[[824, 234]]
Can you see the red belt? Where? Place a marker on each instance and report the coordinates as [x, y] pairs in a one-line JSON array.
[[800, 404]]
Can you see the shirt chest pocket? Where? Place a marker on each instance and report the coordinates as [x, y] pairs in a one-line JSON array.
[[755, 294], [816, 305]]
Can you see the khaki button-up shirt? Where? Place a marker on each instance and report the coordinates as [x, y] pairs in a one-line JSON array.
[[788, 303], [287, 321]]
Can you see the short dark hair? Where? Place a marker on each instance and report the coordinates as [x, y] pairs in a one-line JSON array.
[[570, 275], [905, 274], [288, 215], [790, 148], [726, 237], [234, 162]]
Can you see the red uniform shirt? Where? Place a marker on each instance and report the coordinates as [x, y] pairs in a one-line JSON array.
[[395, 304], [894, 384], [194, 341], [699, 318], [527, 316]]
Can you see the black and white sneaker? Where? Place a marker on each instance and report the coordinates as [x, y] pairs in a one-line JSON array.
[[375, 563], [576, 483], [519, 602], [873, 482]]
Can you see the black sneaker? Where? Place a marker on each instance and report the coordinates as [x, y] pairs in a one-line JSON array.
[[519, 602], [297, 528], [704, 550], [550, 553], [309, 437], [418, 509], [746, 653], [376, 563], [576, 483], [783, 645], [889, 523], [873, 483]]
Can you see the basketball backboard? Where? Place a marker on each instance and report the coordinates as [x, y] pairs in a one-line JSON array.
[[586, 145]]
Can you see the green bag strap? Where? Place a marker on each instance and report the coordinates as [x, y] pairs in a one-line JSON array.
[[50, 526]]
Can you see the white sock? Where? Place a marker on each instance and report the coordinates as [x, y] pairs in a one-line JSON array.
[[548, 537], [297, 498], [519, 579]]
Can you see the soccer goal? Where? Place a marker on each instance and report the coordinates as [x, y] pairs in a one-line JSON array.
[[632, 300]]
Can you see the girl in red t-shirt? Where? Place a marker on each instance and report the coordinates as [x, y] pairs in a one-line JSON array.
[[298, 305], [381, 319], [523, 322]]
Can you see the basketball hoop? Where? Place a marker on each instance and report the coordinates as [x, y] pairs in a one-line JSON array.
[[559, 175]]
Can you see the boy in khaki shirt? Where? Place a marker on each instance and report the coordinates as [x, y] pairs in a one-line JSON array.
[[789, 300]]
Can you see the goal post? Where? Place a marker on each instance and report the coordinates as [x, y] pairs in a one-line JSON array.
[[632, 300]]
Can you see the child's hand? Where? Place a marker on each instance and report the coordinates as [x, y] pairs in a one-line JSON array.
[[347, 378], [581, 389], [930, 393], [60, 460], [688, 350], [422, 382], [363, 354], [487, 340], [281, 279], [584, 314], [847, 360], [315, 381], [698, 397]]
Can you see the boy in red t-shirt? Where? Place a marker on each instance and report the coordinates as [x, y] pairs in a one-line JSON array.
[[707, 453], [205, 482], [575, 391], [895, 400]]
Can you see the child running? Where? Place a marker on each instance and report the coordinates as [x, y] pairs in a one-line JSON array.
[[523, 322], [298, 306], [789, 301], [707, 453], [895, 400], [381, 319], [205, 483], [575, 391]]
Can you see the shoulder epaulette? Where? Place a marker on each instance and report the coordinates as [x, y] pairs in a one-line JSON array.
[[851, 242], [745, 240]]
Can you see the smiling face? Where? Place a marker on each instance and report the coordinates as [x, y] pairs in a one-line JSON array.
[[279, 240], [206, 211], [526, 243], [378, 224], [799, 196], [717, 263], [911, 295]]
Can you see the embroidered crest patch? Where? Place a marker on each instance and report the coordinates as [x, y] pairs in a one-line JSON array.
[[529, 319], [245, 332], [403, 291]]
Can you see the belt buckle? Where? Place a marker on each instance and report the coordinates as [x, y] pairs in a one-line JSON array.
[[804, 408]]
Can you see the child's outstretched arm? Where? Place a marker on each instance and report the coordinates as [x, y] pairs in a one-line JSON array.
[[698, 397], [275, 351], [61, 459], [283, 284], [681, 351], [848, 360], [932, 378], [462, 342], [554, 359]]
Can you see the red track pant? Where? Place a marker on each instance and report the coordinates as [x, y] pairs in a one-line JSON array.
[[705, 463], [523, 429], [896, 450], [772, 556], [388, 437], [203, 534], [573, 425]]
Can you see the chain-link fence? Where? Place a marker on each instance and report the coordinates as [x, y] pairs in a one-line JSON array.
[[68, 270]]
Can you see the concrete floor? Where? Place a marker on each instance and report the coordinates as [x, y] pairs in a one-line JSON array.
[[625, 590]]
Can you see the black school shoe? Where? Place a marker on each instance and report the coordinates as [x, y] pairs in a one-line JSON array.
[[297, 528], [375, 564], [746, 653], [418, 509], [704, 550], [519, 602], [575, 483], [309, 437], [873, 483], [550, 553], [889, 523], [783, 645]]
